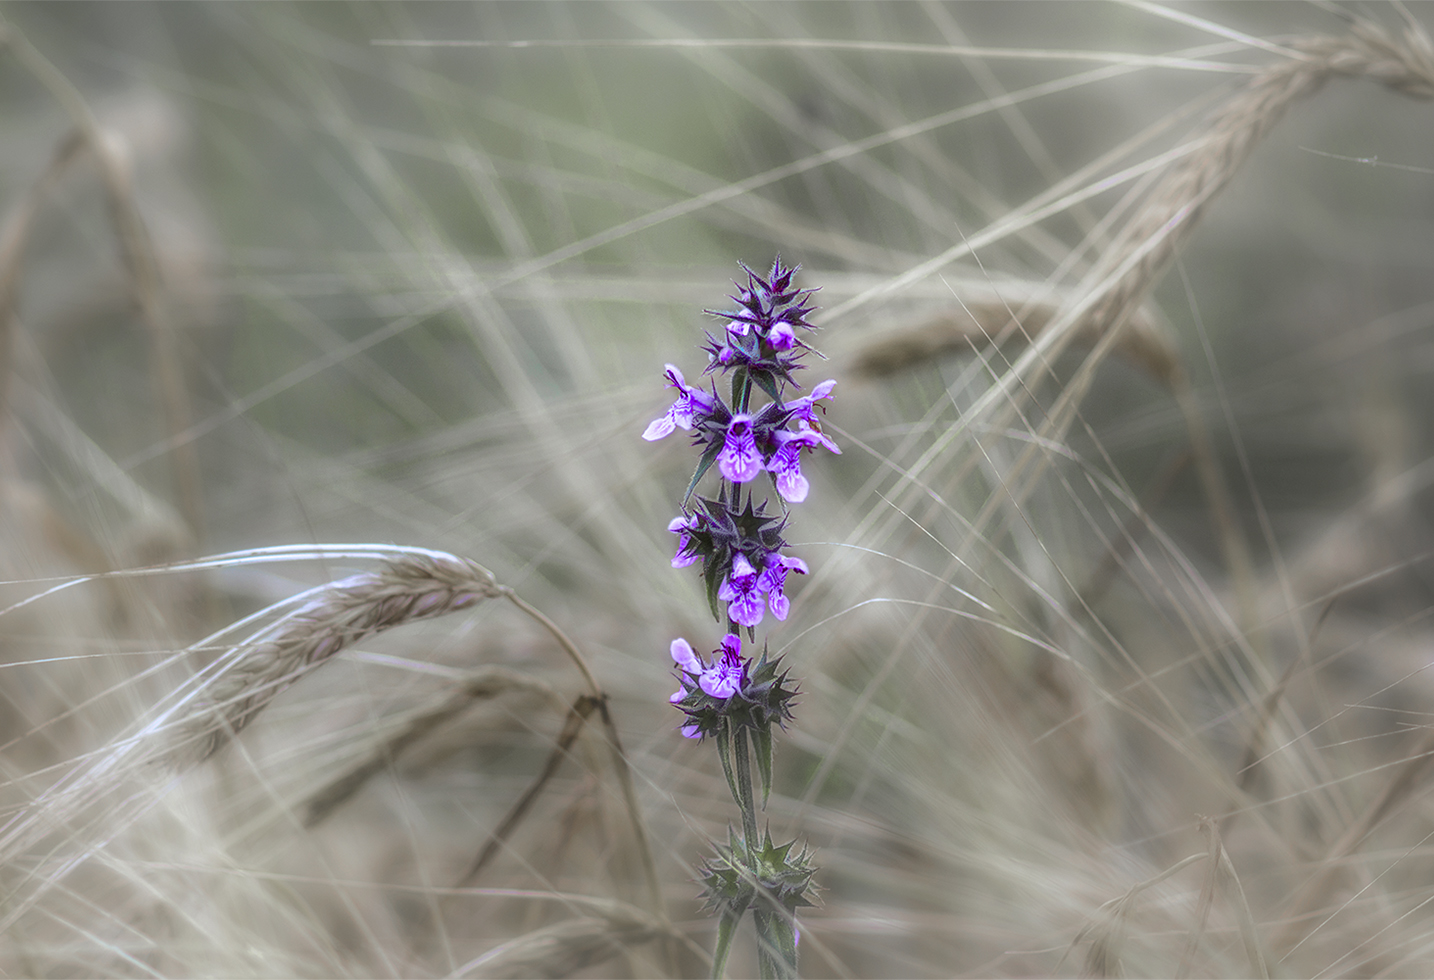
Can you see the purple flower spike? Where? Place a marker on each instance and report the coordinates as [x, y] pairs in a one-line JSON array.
[[690, 403], [739, 460], [726, 676], [805, 407], [743, 592], [774, 580]]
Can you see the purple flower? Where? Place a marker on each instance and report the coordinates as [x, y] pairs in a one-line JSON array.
[[690, 403], [781, 336], [688, 661], [738, 328], [739, 459], [726, 676], [785, 464], [774, 579], [805, 407], [723, 678], [680, 526], [742, 590]]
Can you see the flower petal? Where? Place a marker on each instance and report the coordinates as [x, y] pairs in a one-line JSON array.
[[740, 460], [746, 608], [659, 428], [785, 467], [684, 656], [781, 337]]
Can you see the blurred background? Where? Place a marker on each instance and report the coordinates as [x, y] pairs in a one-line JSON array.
[[337, 284]]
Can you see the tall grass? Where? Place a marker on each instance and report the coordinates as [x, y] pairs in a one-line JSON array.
[[1113, 654]]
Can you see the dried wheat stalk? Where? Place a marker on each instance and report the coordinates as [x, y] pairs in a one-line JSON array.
[[489, 681], [409, 588], [981, 320], [137, 253], [1105, 304], [1402, 62], [573, 945], [1118, 283]]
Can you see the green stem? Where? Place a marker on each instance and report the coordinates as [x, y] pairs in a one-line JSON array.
[[744, 396], [776, 946]]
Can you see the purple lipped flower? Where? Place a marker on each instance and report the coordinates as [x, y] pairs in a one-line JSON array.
[[726, 676], [738, 328], [785, 464], [740, 460], [680, 526], [781, 336], [774, 579], [742, 592], [805, 407], [691, 402]]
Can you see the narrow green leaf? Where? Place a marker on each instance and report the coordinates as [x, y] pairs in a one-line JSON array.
[[768, 383], [724, 751], [703, 465], [744, 786], [762, 747], [713, 585], [726, 929]]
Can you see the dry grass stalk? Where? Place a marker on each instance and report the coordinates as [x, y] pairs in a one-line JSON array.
[[1106, 302], [1404, 63], [140, 261], [982, 320], [409, 588], [1221, 866], [486, 682], [572, 726], [1102, 959], [14, 237], [567, 947], [1118, 283], [1397, 792]]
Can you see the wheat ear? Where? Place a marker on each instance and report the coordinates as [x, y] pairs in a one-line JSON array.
[[408, 588]]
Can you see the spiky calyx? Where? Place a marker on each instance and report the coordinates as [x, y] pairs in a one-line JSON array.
[[769, 875]]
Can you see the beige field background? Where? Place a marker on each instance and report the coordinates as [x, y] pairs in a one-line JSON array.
[[1114, 654]]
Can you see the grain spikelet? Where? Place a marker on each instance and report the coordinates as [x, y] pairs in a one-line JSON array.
[[409, 588], [1403, 63], [981, 320]]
